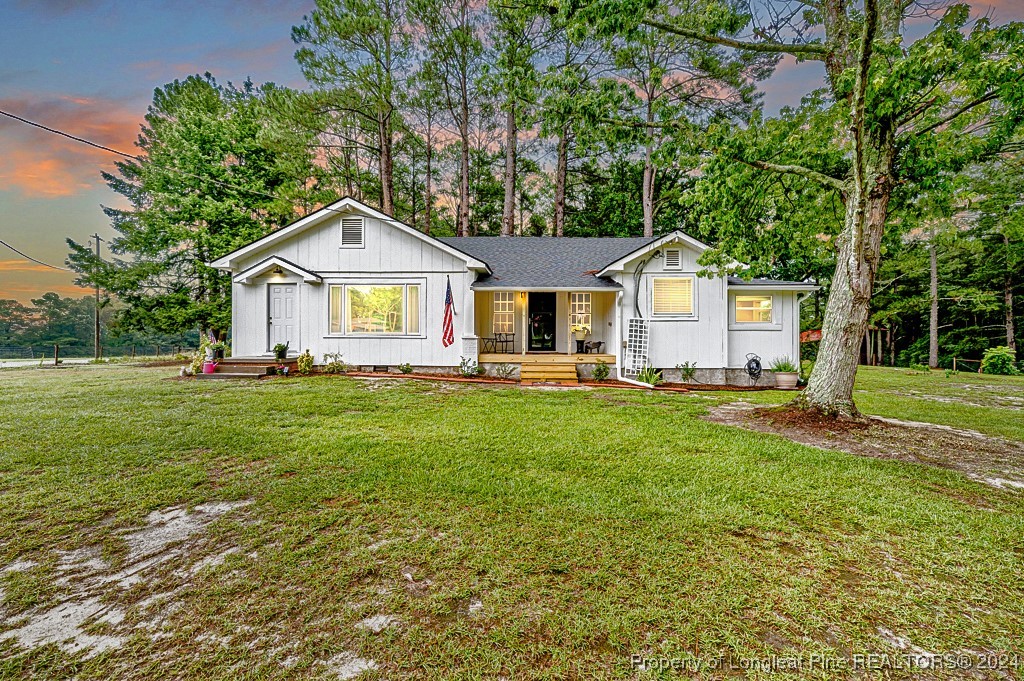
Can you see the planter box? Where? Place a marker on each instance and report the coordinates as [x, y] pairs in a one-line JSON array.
[[786, 380]]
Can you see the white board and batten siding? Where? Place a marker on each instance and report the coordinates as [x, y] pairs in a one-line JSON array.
[[710, 337], [387, 256], [699, 337], [780, 338]]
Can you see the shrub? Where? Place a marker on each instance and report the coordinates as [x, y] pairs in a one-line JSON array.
[[304, 363], [920, 368], [687, 371], [405, 368], [469, 368], [601, 370], [504, 371], [784, 365], [999, 360], [333, 364], [650, 376]]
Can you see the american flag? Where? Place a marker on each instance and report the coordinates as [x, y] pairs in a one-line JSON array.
[[448, 333]]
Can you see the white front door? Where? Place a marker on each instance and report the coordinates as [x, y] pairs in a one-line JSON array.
[[284, 316]]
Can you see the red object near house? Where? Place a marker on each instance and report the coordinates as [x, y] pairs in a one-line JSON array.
[[810, 336]]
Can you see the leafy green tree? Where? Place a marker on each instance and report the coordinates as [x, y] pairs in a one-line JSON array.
[[14, 319], [452, 40], [998, 188], [901, 113], [518, 30], [608, 205], [358, 52], [214, 173]]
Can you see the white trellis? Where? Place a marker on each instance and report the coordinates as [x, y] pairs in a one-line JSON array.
[[637, 336]]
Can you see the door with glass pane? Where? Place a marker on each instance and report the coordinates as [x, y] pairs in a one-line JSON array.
[[542, 332]]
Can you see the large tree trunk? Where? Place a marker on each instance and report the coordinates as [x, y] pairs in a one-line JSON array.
[[933, 316], [830, 387], [508, 213], [1011, 330], [648, 193], [561, 170], [387, 180]]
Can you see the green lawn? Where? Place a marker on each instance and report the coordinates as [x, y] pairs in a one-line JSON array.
[[510, 533]]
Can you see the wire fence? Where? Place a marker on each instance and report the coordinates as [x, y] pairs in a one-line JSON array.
[[35, 352]]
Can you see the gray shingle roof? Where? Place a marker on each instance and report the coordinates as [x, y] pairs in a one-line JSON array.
[[546, 262]]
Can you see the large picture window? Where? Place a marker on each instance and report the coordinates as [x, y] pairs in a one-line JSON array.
[[375, 309], [753, 309], [504, 312], [673, 296]]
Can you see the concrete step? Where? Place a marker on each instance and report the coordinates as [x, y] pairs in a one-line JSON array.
[[247, 369]]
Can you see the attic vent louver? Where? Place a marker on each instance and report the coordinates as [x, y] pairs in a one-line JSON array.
[[351, 232], [673, 259]]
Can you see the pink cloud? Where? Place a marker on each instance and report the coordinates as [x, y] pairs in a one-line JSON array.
[[23, 266], [39, 163]]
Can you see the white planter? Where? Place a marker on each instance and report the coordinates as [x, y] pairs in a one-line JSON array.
[[786, 380]]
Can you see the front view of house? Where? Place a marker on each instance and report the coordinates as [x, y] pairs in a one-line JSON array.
[[349, 279]]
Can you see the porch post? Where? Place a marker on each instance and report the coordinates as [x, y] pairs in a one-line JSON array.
[[525, 297], [470, 341]]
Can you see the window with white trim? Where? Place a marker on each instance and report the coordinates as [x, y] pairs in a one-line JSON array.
[[579, 312], [753, 309], [672, 296], [504, 312], [673, 259], [378, 309], [352, 232]]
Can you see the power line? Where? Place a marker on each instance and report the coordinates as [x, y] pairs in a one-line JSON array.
[[133, 157], [29, 257]]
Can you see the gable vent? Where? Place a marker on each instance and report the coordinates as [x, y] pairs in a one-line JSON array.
[[673, 259], [351, 232]]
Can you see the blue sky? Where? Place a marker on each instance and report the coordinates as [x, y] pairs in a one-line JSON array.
[[90, 66]]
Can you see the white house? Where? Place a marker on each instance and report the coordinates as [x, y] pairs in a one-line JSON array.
[[349, 279]]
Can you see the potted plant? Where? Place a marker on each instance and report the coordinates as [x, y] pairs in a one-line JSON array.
[[579, 332], [218, 349], [786, 373], [281, 351]]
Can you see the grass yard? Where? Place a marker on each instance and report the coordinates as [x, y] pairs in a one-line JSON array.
[[402, 529]]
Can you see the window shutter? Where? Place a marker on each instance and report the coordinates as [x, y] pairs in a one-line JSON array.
[[673, 259], [351, 232]]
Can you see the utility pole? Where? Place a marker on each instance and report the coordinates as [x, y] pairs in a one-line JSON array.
[[98, 351]]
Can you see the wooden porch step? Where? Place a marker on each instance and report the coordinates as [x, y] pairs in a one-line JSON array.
[[563, 374], [227, 375]]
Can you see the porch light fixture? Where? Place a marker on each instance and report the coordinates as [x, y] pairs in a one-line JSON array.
[[277, 271], [522, 295]]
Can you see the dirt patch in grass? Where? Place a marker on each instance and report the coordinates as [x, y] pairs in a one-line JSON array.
[[91, 615], [992, 460]]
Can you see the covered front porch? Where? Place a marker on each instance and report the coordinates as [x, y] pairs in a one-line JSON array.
[[546, 326], [546, 358]]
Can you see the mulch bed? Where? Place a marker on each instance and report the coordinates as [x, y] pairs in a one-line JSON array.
[[992, 460]]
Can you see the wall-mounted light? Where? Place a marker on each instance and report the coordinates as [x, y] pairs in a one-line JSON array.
[[277, 271], [522, 295]]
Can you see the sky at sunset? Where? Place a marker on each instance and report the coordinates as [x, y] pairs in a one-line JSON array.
[[89, 67]]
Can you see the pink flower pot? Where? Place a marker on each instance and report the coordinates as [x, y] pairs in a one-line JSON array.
[[209, 367]]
